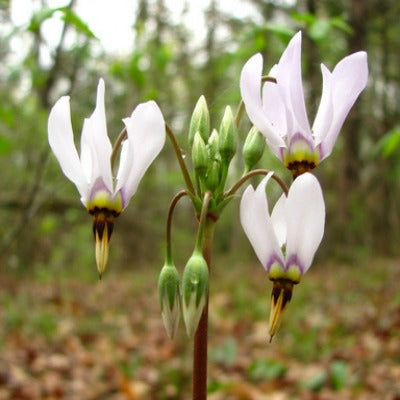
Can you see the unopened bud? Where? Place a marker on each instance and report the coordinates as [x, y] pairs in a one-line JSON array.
[[253, 148], [227, 136], [199, 155], [168, 289], [194, 291], [212, 145], [200, 121], [213, 176]]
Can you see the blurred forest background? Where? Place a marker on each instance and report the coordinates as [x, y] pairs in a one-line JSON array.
[[43, 223], [44, 230]]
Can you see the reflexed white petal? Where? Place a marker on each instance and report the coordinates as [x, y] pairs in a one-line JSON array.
[[125, 164], [274, 108], [257, 224], [250, 88], [305, 209], [146, 138], [278, 217], [348, 80], [97, 128], [288, 76], [323, 119], [88, 157], [61, 141]]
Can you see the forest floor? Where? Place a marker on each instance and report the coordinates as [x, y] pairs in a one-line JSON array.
[[63, 337]]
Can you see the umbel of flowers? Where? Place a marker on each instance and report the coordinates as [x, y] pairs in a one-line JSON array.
[[284, 240]]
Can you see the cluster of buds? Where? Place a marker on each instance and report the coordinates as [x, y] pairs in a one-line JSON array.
[[212, 151]]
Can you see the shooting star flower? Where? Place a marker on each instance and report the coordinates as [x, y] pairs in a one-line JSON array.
[[285, 241], [91, 172], [278, 109]]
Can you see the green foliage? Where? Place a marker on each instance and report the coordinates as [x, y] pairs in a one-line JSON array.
[[72, 19], [339, 373], [320, 29], [5, 145], [316, 382], [389, 144], [67, 15], [262, 370], [226, 353]]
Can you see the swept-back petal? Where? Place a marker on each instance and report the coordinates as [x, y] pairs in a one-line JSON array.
[[348, 80], [250, 88], [96, 128], [146, 138], [324, 116], [288, 75], [274, 107], [278, 217], [257, 224], [61, 140], [305, 220], [88, 156]]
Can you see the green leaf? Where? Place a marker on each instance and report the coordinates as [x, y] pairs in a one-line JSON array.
[[5, 145], [226, 353], [38, 18], [282, 31], [316, 382], [68, 15], [320, 29], [49, 224], [73, 19], [339, 373], [341, 24], [306, 18], [261, 370], [390, 142]]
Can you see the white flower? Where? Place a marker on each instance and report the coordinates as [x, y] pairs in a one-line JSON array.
[[278, 109], [92, 172], [285, 241]]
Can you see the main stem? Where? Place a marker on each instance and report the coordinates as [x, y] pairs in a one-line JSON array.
[[201, 336]]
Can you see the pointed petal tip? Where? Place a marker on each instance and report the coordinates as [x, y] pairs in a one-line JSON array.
[[101, 84], [296, 39]]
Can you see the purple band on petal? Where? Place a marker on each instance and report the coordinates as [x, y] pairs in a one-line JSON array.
[[299, 137], [98, 186], [123, 198], [294, 260], [272, 260]]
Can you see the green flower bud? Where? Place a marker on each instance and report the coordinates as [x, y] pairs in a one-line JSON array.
[[213, 145], [194, 291], [227, 136], [168, 289], [200, 121], [213, 176], [253, 148], [199, 155]]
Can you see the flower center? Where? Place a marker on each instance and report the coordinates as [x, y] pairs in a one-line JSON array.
[[292, 273], [103, 202], [300, 156]]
